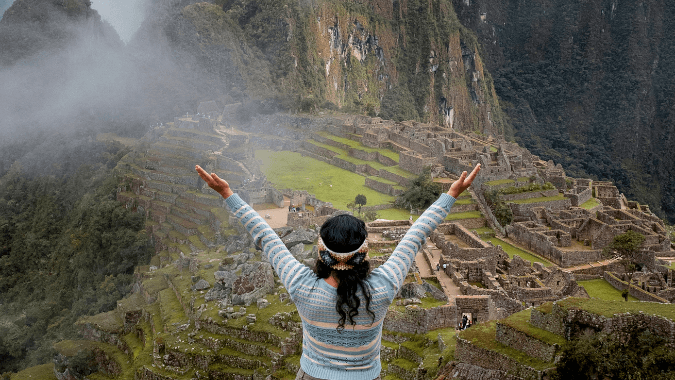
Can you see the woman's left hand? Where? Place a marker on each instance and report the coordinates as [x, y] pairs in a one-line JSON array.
[[216, 183]]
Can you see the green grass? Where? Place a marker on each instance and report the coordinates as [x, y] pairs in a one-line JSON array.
[[521, 322], [589, 204], [382, 180], [499, 182], [357, 145], [464, 215], [602, 289], [539, 199], [484, 231], [512, 250], [289, 170], [483, 335], [610, 308], [465, 201], [41, 372], [395, 214], [399, 171]]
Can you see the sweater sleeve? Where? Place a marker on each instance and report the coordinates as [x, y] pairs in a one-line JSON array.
[[396, 268], [290, 271]]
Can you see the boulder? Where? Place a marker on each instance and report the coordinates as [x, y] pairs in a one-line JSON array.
[[262, 303], [254, 281], [201, 285], [412, 290], [299, 236]]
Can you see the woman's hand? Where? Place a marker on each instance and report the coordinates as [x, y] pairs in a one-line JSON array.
[[463, 182], [216, 183]]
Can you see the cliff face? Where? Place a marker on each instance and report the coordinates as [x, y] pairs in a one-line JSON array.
[[408, 59], [589, 84]]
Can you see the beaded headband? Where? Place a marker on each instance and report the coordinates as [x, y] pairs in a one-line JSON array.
[[342, 261]]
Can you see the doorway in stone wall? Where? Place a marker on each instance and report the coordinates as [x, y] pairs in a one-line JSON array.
[[466, 320]]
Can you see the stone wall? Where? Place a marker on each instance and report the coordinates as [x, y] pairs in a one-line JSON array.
[[403, 181], [413, 162], [481, 307], [634, 291], [579, 198], [522, 209], [382, 187], [467, 352], [416, 320], [535, 239], [533, 347], [568, 323], [529, 194]]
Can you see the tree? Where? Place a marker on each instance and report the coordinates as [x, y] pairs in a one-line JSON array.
[[423, 191], [626, 245], [361, 201]]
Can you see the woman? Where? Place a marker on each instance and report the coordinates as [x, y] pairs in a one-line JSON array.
[[341, 305]]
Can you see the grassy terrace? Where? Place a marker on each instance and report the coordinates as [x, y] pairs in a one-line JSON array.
[[483, 335], [521, 322], [609, 308], [499, 182], [602, 289], [327, 182], [513, 250], [357, 145], [464, 215], [342, 154], [539, 199], [589, 204]]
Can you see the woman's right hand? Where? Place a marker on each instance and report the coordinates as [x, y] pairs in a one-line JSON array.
[[216, 183], [463, 182]]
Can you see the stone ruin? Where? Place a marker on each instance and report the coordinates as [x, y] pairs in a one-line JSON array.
[[197, 309]]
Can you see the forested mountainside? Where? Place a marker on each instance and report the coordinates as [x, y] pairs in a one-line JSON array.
[[588, 84]]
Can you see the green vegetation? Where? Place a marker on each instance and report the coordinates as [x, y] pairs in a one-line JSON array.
[[601, 289], [558, 197], [291, 170], [526, 189], [609, 308], [512, 250], [484, 231], [521, 322], [499, 182], [483, 335], [67, 249], [357, 145], [591, 203], [396, 214], [464, 215], [643, 355], [423, 191], [500, 209]]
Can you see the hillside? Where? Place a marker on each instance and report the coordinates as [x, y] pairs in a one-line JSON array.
[[587, 84]]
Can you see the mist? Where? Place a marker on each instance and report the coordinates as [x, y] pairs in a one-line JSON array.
[[66, 79]]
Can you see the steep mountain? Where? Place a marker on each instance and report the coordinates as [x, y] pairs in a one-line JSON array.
[[402, 60], [588, 84]]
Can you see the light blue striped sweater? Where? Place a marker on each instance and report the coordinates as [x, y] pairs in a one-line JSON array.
[[353, 354]]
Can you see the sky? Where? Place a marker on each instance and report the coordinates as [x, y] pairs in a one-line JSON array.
[[125, 16]]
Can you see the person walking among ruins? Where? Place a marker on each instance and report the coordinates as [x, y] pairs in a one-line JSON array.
[[342, 303]]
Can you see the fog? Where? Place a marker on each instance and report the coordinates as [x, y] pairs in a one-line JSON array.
[[125, 16], [65, 80]]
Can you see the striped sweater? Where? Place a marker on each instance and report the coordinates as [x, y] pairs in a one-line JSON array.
[[353, 354]]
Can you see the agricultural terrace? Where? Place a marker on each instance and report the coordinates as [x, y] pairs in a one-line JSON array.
[[290, 170]]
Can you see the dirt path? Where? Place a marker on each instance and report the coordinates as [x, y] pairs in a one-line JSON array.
[[277, 216], [449, 287]]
